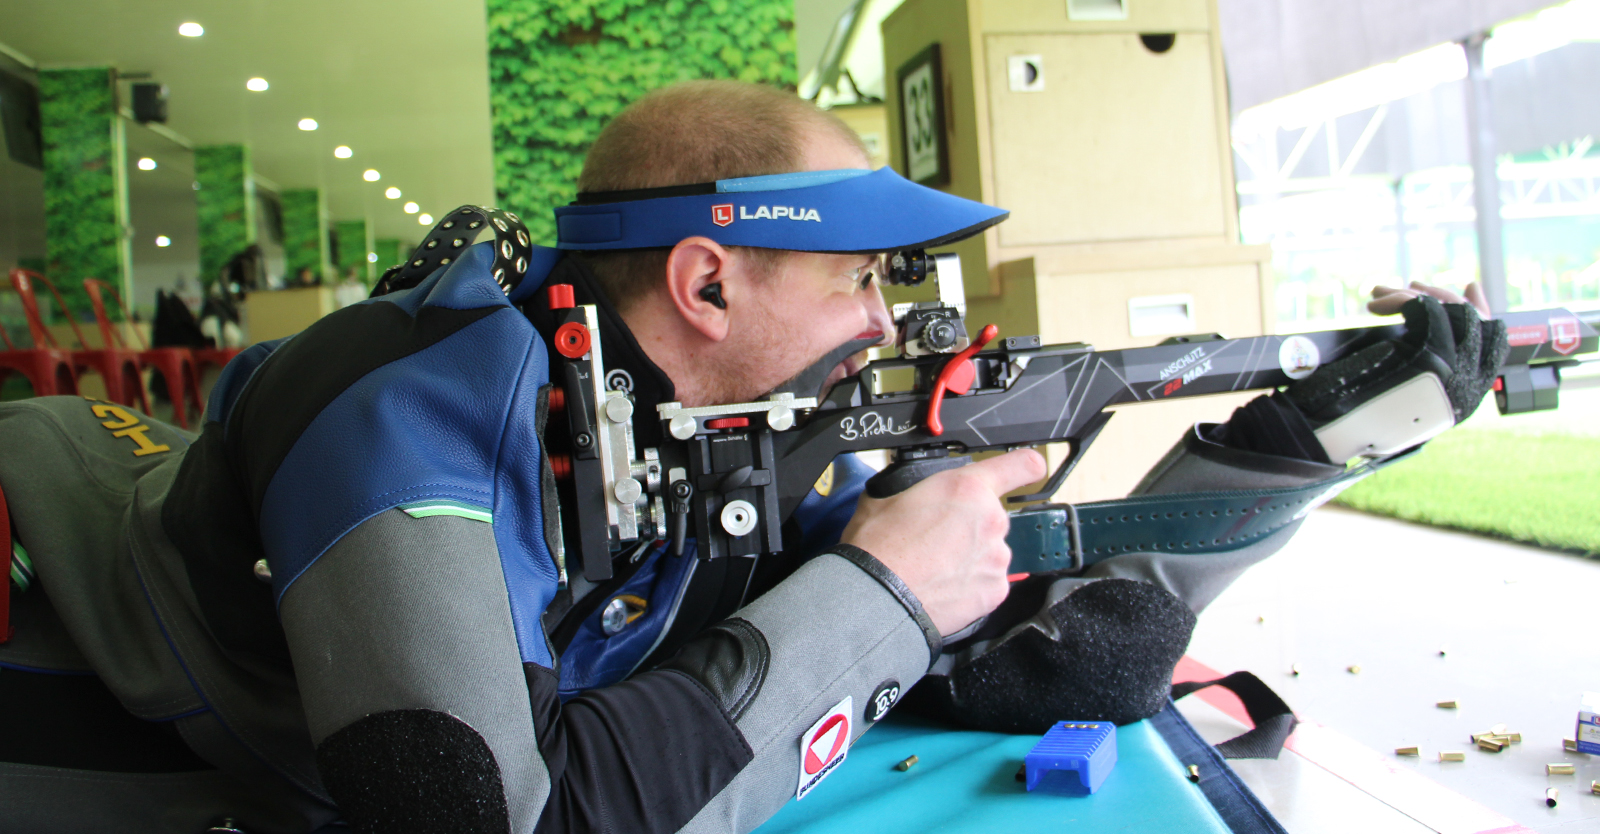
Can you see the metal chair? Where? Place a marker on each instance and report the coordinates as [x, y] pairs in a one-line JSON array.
[[118, 367], [46, 365], [176, 364]]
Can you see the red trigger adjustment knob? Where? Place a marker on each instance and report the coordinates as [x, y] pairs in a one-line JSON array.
[[956, 377]]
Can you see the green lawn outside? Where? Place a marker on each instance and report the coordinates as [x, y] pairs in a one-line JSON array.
[[1532, 478]]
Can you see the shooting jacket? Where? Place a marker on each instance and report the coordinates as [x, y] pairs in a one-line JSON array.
[[342, 593]]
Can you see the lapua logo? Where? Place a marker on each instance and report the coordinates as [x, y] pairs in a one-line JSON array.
[[779, 213], [722, 215]]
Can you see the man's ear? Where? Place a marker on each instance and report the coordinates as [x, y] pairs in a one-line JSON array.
[[693, 265]]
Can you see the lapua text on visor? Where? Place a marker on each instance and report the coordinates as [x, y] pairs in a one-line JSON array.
[[723, 214]]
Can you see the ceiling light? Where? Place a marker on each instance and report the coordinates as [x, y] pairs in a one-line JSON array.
[[343, 151], [372, 257], [163, 241], [256, 85], [191, 29], [392, 193], [371, 175], [425, 219], [308, 124], [146, 163], [412, 208]]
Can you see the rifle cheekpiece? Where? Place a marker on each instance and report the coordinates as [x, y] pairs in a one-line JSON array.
[[729, 476]]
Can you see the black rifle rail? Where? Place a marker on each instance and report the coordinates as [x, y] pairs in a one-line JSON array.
[[1060, 394]]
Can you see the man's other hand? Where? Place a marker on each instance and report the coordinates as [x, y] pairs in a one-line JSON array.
[[1388, 300], [946, 536]]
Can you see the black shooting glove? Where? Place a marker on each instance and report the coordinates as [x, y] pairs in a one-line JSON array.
[[1103, 652], [1449, 340], [1383, 398]]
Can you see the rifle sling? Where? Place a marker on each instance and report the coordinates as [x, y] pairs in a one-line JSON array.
[[1053, 537]]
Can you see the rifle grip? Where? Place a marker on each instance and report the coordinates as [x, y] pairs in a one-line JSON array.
[[902, 475]]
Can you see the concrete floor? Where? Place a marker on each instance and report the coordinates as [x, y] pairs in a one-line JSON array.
[[1517, 630]]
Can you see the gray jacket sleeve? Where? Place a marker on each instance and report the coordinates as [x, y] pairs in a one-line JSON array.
[[420, 708]]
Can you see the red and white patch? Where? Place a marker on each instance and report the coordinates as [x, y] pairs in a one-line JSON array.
[[1565, 336], [823, 747], [722, 215], [1527, 334]]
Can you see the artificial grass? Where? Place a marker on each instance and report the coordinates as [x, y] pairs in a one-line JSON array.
[[1536, 487]]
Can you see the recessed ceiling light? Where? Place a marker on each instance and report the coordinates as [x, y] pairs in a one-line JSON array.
[[371, 175], [163, 241], [372, 257], [392, 193], [146, 163], [425, 219], [191, 29], [256, 85], [343, 151], [412, 208], [308, 124]]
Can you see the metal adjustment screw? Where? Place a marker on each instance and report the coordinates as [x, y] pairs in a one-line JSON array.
[[262, 571], [780, 417], [938, 336], [627, 490], [682, 427], [619, 409], [738, 518], [582, 440], [615, 617]]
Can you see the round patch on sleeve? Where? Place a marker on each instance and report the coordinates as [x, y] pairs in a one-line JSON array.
[[882, 700]]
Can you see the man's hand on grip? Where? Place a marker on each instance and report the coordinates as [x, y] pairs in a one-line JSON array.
[[945, 537]]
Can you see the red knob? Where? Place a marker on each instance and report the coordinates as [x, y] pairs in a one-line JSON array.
[[572, 340], [561, 297], [956, 377]]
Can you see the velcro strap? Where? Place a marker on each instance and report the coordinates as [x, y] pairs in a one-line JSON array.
[[1273, 719], [1052, 537]]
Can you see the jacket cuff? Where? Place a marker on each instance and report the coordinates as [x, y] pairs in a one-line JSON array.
[[897, 588]]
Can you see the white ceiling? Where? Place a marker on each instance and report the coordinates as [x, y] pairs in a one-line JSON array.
[[404, 84]]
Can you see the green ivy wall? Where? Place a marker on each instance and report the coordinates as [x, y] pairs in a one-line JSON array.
[[389, 254], [304, 245], [560, 69], [85, 181], [225, 204], [351, 247]]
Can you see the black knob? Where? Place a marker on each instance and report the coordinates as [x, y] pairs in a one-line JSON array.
[[939, 335]]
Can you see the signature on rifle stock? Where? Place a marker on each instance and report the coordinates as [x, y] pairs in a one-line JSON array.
[[872, 424]]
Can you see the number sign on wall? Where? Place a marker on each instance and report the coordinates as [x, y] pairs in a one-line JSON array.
[[921, 81]]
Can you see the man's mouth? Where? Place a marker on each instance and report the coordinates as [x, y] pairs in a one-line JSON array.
[[850, 366]]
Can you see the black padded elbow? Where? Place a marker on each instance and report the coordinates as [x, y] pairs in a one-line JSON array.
[[1110, 658], [414, 771]]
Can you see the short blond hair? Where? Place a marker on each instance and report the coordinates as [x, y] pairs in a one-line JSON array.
[[694, 132]]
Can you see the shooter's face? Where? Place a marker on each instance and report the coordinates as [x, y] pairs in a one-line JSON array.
[[814, 304]]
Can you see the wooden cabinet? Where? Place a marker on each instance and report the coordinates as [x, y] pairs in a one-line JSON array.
[[1112, 152]]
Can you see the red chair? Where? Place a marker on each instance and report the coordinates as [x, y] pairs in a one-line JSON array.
[[176, 364], [118, 367], [46, 366], [219, 357]]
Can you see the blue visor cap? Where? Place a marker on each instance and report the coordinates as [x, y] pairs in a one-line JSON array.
[[846, 211]]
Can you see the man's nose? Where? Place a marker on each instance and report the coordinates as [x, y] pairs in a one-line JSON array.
[[878, 317]]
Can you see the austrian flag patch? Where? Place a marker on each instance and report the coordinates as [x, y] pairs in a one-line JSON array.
[[823, 747]]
